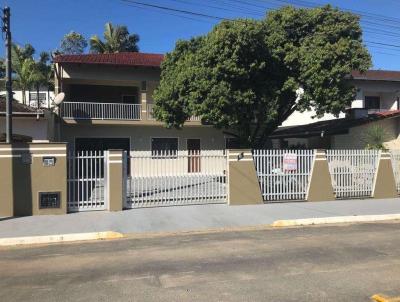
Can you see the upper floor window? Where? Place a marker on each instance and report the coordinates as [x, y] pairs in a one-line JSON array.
[[372, 102]]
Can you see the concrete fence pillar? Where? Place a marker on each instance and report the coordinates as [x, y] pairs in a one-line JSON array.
[[320, 183], [384, 181], [115, 178], [33, 179], [7, 159], [243, 185]]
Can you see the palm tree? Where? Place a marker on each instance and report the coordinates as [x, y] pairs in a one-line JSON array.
[[23, 68], [116, 39]]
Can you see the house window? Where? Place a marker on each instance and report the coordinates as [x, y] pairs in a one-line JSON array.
[[33, 98], [143, 86], [372, 102], [163, 145], [232, 143]]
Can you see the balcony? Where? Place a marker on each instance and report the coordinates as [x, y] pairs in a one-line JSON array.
[[149, 110], [110, 111], [100, 111]]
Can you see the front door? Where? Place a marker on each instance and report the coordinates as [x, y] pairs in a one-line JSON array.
[[193, 147]]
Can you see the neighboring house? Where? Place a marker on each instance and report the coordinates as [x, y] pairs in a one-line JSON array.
[[376, 103], [109, 103], [28, 123], [46, 97], [377, 90]]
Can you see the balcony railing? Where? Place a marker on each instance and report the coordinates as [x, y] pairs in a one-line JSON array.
[[100, 111], [149, 110]]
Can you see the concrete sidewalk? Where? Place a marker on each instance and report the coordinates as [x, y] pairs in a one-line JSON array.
[[190, 218]]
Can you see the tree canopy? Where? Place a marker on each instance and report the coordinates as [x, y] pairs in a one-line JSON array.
[[116, 39], [73, 43], [248, 76]]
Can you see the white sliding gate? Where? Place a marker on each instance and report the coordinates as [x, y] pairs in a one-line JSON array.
[[168, 178], [283, 174], [352, 172], [85, 181]]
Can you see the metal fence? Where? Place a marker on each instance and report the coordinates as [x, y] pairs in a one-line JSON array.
[[168, 178], [100, 111], [352, 172], [85, 180], [395, 156], [283, 174]]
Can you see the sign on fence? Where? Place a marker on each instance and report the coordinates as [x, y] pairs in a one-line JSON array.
[[290, 162]]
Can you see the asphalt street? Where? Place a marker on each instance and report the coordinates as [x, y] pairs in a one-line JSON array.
[[319, 263]]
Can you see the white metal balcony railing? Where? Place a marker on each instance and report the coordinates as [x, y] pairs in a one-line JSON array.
[[149, 110], [100, 111]]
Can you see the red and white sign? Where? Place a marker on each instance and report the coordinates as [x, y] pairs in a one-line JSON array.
[[289, 162]]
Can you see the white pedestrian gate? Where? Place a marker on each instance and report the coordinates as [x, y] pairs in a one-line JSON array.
[[395, 156], [283, 174], [85, 179], [167, 178], [352, 172]]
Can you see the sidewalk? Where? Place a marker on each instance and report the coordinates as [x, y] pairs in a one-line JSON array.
[[190, 218]]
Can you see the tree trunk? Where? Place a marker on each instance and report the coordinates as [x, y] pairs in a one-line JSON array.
[[37, 97], [23, 96]]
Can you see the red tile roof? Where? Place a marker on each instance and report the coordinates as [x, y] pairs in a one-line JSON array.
[[122, 58], [377, 75], [16, 107], [389, 113]]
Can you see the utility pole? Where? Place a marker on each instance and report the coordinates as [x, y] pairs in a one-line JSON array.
[[9, 97]]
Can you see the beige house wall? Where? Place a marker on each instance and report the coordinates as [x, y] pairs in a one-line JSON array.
[[30, 126], [140, 136], [355, 139]]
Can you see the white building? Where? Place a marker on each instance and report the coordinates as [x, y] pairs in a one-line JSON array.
[[46, 97], [377, 90]]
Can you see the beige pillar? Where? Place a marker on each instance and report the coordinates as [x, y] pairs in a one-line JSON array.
[[115, 180], [6, 182], [384, 182], [33, 178], [320, 183], [143, 100], [243, 185]]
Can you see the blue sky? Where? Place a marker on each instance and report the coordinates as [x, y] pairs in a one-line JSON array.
[[44, 22]]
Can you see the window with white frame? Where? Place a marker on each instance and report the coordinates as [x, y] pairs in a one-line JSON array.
[[33, 98]]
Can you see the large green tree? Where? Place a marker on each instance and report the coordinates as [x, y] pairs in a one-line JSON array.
[[116, 39], [248, 76], [73, 43]]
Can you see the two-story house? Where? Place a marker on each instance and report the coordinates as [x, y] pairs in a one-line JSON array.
[[109, 104], [377, 103]]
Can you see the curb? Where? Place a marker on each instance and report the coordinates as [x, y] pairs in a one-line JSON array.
[[383, 298], [59, 238], [338, 219]]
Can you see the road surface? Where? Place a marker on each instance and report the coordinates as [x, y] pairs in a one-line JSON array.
[[325, 263]]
